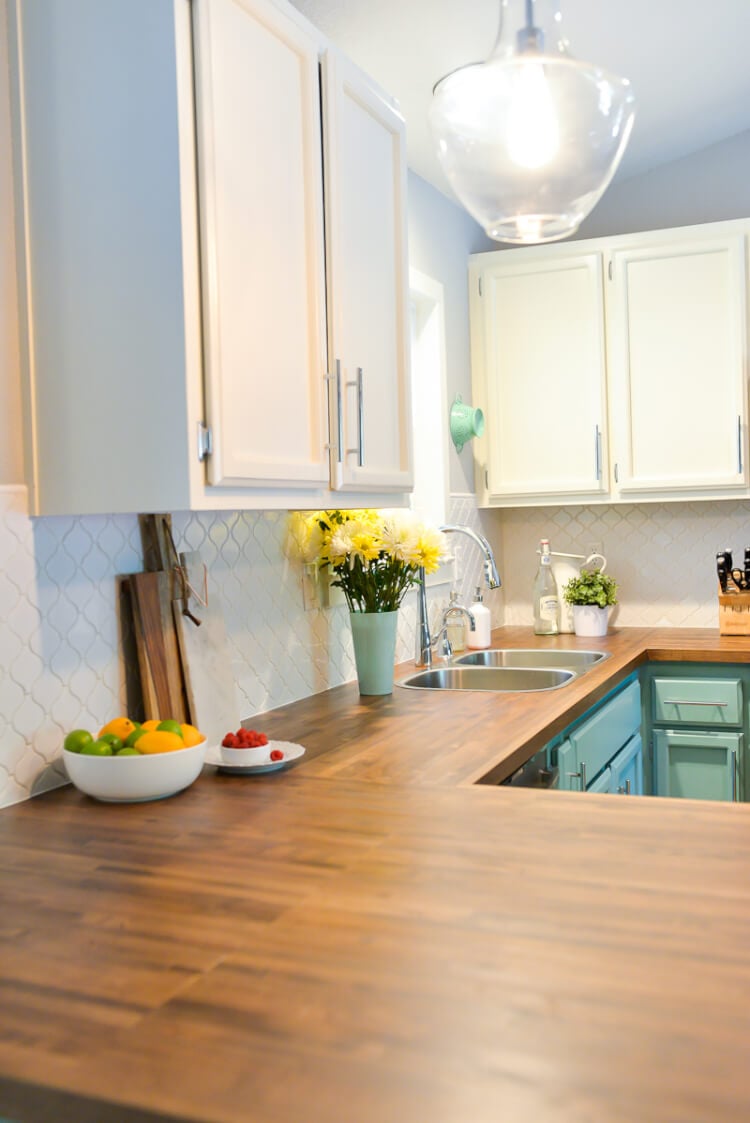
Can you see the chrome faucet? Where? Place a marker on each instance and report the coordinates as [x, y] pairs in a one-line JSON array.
[[425, 641]]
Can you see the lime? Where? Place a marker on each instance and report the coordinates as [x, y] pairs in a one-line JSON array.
[[97, 748], [131, 740], [127, 751], [170, 726], [113, 740], [76, 740]]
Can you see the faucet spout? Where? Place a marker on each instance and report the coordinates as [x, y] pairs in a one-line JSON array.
[[491, 576]]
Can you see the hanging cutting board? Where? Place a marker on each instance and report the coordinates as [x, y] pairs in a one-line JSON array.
[[209, 679], [157, 646]]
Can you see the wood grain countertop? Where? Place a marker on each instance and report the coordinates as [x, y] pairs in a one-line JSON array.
[[344, 941]]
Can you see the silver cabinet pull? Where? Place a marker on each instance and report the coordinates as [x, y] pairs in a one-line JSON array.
[[597, 453], [360, 449], [336, 378], [686, 702], [580, 775], [733, 755], [624, 790], [739, 444]]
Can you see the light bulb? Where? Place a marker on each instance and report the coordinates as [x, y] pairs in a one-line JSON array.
[[533, 131]]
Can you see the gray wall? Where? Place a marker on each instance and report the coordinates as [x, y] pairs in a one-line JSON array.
[[709, 186], [441, 237], [11, 453]]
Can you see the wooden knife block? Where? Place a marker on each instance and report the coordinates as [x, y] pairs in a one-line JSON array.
[[734, 614]]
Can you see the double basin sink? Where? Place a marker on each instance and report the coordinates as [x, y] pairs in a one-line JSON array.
[[506, 669]]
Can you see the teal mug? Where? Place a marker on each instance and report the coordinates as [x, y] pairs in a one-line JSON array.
[[466, 422]]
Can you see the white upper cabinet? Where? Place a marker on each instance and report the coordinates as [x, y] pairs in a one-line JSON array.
[[366, 261], [539, 367], [170, 200], [261, 208], [677, 356], [613, 370]]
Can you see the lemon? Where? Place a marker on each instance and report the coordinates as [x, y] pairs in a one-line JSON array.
[[122, 727], [76, 740], [150, 725], [159, 741], [190, 735]]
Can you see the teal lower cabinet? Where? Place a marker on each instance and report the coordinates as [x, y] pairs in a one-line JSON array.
[[602, 752], [627, 769], [697, 765], [696, 724]]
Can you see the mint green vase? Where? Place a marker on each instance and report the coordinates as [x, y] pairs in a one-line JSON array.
[[374, 636]]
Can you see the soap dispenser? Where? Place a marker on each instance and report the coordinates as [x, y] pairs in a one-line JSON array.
[[455, 620], [481, 635]]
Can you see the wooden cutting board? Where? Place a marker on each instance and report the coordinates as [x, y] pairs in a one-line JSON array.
[[157, 646], [209, 679]]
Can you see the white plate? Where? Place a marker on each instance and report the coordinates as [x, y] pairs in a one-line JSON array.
[[264, 764]]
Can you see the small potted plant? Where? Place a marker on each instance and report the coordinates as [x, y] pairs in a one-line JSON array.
[[591, 594]]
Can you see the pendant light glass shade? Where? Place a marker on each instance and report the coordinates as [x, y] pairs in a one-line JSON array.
[[530, 138]]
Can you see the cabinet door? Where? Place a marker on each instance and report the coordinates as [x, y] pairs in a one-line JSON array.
[[261, 210], [697, 765], [677, 338], [567, 763], [542, 353], [627, 768], [367, 277], [602, 784]]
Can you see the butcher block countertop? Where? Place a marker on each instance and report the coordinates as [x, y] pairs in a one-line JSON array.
[[371, 936]]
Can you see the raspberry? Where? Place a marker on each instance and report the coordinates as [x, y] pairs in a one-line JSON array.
[[276, 754]]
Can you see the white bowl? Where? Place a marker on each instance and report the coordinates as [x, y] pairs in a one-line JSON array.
[[249, 758], [133, 779]]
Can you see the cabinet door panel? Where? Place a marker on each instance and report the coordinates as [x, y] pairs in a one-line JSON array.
[[602, 784], [367, 275], [627, 768], [543, 345], [697, 765], [260, 180], [677, 357]]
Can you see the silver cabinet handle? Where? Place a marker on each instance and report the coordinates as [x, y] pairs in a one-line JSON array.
[[733, 756], [360, 449], [624, 790], [580, 775], [687, 702], [336, 378], [597, 453], [739, 444]]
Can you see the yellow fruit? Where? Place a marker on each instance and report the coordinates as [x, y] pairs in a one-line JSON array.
[[150, 725], [191, 735], [159, 741], [121, 727]]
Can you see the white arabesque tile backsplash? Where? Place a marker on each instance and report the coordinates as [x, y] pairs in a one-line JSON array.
[[61, 640], [61, 636]]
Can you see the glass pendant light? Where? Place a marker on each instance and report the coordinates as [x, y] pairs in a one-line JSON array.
[[530, 138]]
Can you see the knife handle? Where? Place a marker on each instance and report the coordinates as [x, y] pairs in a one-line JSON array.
[[720, 569]]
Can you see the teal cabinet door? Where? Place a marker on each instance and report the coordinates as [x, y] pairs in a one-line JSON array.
[[602, 784], [567, 763], [697, 765], [627, 768]]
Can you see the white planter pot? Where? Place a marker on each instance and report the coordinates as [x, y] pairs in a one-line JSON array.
[[590, 620]]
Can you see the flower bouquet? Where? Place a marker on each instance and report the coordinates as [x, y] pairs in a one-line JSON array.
[[374, 557]]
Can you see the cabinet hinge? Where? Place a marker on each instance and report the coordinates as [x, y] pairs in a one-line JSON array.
[[609, 269], [480, 286], [487, 479], [205, 440]]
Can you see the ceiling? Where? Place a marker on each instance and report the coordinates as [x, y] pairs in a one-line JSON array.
[[687, 61]]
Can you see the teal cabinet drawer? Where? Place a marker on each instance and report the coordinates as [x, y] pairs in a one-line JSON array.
[[597, 740], [697, 701]]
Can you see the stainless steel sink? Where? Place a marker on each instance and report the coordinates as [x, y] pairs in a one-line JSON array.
[[577, 661], [498, 679]]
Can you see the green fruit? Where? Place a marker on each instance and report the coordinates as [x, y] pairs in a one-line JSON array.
[[113, 740], [170, 726], [97, 748], [128, 752], [76, 740], [131, 740]]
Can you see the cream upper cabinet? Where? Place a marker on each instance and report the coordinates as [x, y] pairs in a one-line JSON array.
[[170, 200], [366, 260], [614, 369], [677, 357], [538, 359]]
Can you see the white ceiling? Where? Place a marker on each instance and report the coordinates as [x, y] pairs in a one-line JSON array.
[[688, 62]]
